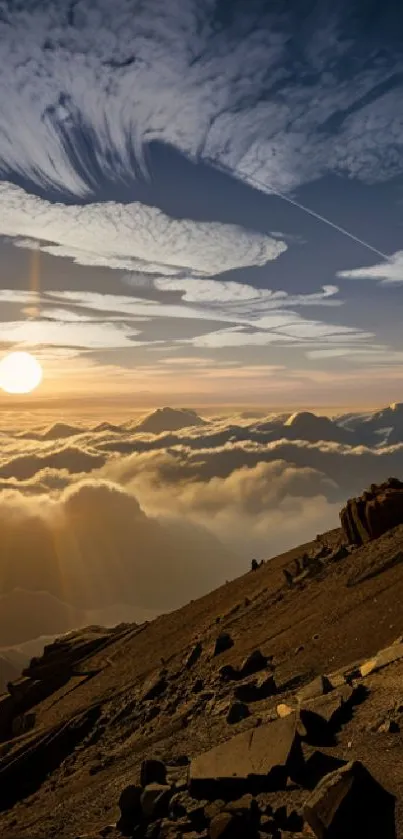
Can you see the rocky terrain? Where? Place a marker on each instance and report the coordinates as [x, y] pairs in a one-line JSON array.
[[272, 707]]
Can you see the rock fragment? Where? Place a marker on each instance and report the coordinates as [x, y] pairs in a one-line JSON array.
[[318, 687], [256, 689], [194, 655], [223, 643], [155, 800], [350, 803], [269, 753], [154, 687], [237, 712], [152, 772], [253, 663]]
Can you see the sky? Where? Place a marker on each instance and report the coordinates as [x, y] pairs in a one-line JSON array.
[[201, 202]]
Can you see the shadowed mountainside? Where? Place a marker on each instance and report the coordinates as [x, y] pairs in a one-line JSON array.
[[85, 716]]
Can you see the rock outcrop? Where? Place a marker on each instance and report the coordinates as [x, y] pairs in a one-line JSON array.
[[376, 511], [45, 674]]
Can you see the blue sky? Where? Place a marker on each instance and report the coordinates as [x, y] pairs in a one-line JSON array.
[[155, 162]]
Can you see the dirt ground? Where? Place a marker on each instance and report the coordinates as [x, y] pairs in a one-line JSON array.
[[345, 614]]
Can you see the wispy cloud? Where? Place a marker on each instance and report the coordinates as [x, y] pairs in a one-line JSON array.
[[86, 91], [250, 317], [34, 333], [388, 272]]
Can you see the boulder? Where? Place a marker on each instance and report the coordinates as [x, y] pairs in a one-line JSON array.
[[318, 687], [237, 712], [228, 673], [155, 800], [154, 687], [256, 689], [266, 755], [194, 656], [223, 642], [130, 807], [152, 772], [254, 662], [350, 803]]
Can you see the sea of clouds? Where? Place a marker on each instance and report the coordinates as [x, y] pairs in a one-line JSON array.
[[115, 522]]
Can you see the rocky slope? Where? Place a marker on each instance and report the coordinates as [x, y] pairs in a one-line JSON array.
[[224, 718]]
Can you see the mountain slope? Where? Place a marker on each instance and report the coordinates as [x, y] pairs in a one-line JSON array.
[[315, 626]]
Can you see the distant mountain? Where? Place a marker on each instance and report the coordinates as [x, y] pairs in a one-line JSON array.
[[56, 431], [305, 425], [106, 426], [169, 419], [376, 428]]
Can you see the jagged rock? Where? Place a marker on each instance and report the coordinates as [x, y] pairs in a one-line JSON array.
[[337, 680], [339, 553], [237, 712], [154, 687], [270, 753], [223, 643], [152, 772], [373, 513], [228, 673], [382, 659], [182, 804], [155, 800], [130, 806], [318, 687], [197, 686], [256, 689], [350, 803], [330, 705], [287, 818], [254, 662], [194, 655]]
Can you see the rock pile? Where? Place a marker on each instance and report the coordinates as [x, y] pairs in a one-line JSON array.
[[310, 565], [232, 790], [376, 511]]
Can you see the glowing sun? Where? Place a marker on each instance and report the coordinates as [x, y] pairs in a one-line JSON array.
[[20, 372]]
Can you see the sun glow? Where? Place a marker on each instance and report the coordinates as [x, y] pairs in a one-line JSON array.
[[20, 372]]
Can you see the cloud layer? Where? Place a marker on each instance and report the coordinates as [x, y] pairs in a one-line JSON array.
[[85, 513]]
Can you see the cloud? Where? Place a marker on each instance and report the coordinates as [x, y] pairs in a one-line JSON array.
[[389, 272], [71, 334], [123, 236], [85, 92], [86, 520], [273, 315], [93, 546]]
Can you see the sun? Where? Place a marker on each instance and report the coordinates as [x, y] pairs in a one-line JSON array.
[[20, 372]]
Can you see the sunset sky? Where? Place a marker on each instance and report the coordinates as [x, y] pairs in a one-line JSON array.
[[156, 159]]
